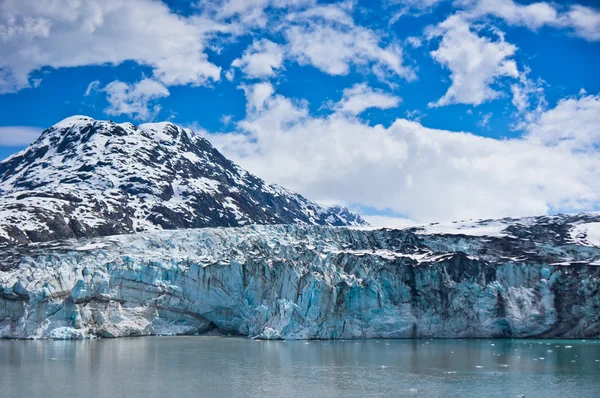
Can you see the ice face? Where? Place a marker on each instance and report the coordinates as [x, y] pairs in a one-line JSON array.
[[305, 282]]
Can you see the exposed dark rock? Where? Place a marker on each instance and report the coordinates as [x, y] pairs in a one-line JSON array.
[[85, 178]]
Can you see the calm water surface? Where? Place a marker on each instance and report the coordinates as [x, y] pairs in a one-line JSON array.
[[237, 367]]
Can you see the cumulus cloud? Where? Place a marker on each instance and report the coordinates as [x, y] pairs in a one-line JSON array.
[[573, 124], [533, 16], [426, 174], [327, 38], [585, 21], [261, 59], [134, 100], [582, 21], [324, 36], [15, 136], [251, 13], [257, 94], [475, 62], [175, 47], [70, 33], [361, 97]]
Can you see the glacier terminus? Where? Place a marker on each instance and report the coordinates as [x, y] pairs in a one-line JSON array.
[[512, 278]]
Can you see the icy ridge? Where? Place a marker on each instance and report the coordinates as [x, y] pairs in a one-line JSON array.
[[307, 282]]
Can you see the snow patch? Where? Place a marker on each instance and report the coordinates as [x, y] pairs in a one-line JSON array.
[[586, 234]]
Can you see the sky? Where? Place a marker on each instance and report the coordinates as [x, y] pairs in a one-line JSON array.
[[420, 110]]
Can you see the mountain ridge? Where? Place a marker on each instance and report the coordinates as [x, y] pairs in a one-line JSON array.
[[84, 177]]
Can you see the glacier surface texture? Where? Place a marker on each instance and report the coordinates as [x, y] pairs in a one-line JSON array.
[[537, 277]]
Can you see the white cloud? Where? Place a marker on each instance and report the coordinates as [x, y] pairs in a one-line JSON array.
[[327, 38], [361, 97], [14, 136], [414, 115], [475, 62], [528, 99], [93, 86], [226, 119], [251, 13], [230, 74], [70, 33], [485, 120], [583, 21], [414, 42], [573, 124], [261, 59], [147, 32], [324, 36], [411, 7], [425, 174], [533, 16], [257, 94], [134, 100]]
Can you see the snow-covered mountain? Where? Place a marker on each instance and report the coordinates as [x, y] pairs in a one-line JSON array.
[[86, 177], [534, 277]]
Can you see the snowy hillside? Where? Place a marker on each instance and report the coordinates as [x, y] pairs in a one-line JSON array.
[[85, 177], [537, 277]]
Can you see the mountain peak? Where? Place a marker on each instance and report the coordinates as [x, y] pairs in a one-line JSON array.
[[87, 177], [71, 121]]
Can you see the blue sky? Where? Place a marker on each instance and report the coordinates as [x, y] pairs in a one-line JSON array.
[[352, 102]]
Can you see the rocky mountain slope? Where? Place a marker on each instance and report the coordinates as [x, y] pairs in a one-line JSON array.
[[85, 178], [533, 277]]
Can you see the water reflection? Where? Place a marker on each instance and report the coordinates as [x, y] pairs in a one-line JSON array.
[[237, 367]]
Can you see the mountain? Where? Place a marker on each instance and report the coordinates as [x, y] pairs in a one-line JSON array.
[[535, 277], [86, 177]]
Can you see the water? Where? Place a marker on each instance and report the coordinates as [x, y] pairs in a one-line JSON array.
[[238, 367]]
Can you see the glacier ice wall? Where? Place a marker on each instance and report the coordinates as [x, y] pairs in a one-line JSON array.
[[303, 282]]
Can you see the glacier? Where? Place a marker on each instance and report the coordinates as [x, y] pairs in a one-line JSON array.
[[537, 277]]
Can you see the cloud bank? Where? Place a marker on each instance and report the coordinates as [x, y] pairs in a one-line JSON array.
[[425, 174]]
